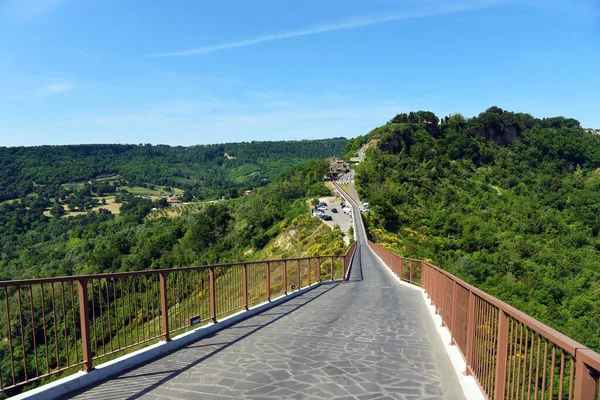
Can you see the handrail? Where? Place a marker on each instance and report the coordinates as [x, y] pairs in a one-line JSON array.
[[143, 272], [509, 353], [51, 326]]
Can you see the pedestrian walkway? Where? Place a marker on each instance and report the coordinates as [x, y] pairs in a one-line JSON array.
[[367, 338]]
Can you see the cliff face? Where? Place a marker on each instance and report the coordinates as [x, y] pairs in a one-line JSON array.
[[497, 125], [501, 134], [395, 137]]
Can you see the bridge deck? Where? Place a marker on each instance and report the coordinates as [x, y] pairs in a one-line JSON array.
[[362, 339]]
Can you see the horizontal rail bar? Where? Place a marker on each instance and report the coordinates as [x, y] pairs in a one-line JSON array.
[[506, 342], [53, 325], [37, 378], [58, 279]]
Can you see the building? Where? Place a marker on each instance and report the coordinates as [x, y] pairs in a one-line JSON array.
[[337, 165], [174, 201]]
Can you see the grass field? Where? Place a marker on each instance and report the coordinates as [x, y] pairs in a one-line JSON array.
[[110, 206], [141, 191], [180, 210]]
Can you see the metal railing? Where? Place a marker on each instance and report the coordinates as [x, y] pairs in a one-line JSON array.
[[54, 325], [510, 354]]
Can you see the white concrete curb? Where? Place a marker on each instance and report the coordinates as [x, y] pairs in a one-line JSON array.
[[341, 192], [468, 384], [350, 264], [101, 372]]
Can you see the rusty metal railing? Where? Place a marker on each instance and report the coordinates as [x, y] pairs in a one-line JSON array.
[[52, 326], [510, 354]]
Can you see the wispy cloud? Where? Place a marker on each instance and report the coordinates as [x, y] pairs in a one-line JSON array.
[[56, 87], [437, 9]]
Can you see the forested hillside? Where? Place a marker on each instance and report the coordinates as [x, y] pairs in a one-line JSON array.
[[506, 201], [147, 232], [208, 171]]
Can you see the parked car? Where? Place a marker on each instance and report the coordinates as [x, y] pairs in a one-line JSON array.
[[326, 217], [334, 210]]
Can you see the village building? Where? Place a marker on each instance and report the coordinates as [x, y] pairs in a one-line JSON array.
[[174, 201], [337, 165]]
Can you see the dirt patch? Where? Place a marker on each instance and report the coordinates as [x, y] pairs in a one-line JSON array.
[[110, 205], [114, 208], [497, 189]]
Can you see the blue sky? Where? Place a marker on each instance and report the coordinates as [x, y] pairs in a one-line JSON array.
[[195, 72]]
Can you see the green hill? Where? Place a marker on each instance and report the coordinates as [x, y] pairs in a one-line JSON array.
[[146, 233], [207, 171], [506, 201]]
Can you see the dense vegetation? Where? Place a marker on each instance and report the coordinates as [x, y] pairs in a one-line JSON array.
[[205, 171], [509, 202], [146, 232], [36, 245]]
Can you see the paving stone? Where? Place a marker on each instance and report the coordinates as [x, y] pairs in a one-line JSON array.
[[262, 390], [227, 382], [364, 339]]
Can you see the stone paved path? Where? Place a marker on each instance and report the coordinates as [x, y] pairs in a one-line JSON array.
[[367, 338]]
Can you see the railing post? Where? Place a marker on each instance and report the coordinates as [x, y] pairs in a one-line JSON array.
[[501, 355], [401, 268], [318, 269], [245, 285], [470, 333], [268, 283], [84, 321], [212, 300], [298, 275], [452, 326], [331, 268], [443, 300], [585, 380], [431, 278], [285, 285], [164, 308], [438, 294], [425, 277], [411, 271]]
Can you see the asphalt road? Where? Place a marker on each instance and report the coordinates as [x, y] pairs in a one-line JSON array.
[[344, 221]]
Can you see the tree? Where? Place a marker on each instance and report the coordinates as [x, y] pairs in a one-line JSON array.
[[503, 200], [187, 196], [57, 210]]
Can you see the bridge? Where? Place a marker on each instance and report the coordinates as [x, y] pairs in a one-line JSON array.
[[355, 326]]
